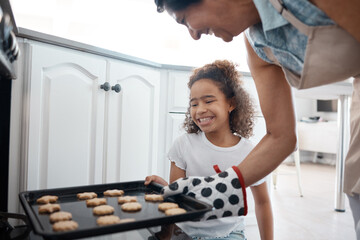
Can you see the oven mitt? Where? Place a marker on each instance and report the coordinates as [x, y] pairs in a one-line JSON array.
[[225, 191]]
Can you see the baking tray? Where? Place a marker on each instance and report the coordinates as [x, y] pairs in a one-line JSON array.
[[148, 216]]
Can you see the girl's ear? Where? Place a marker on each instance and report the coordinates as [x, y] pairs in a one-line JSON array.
[[232, 104]]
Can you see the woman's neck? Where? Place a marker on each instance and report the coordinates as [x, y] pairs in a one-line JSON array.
[[246, 14]]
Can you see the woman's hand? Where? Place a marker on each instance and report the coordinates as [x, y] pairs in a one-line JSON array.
[[224, 191], [156, 179]]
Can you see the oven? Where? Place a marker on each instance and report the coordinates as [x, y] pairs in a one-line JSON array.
[[9, 51]]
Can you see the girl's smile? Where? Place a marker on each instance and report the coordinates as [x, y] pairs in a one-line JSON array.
[[209, 107], [203, 122]]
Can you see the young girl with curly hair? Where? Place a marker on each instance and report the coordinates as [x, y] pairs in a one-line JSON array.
[[218, 123]]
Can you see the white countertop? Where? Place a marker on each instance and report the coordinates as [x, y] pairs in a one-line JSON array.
[[326, 92]]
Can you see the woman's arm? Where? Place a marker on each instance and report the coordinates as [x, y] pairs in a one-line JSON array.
[[263, 211], [277, 107]]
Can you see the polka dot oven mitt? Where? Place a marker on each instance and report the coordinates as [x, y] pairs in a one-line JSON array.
[[225, 191]]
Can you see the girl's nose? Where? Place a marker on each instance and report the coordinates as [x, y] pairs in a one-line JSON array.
[[194, 34], [201, 108]]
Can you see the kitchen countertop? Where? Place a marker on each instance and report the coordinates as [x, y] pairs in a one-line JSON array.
[[63, 42]]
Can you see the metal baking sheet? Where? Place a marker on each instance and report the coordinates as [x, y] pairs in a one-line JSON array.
[[148, 216]]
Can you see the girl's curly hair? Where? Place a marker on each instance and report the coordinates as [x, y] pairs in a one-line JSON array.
[[227, 78]]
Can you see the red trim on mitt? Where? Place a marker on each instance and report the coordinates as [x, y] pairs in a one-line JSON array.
[[242, 183], [217, 169]]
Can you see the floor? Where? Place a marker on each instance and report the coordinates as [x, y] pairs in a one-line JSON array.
[[311, 216]]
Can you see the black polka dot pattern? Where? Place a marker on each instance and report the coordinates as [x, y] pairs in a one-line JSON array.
[[209, 179], [191, 194], [236, 183], [241, 211], [233, 199], [223, 191], [227, 214], [218, 203], [212, 217], [221, 187], [223, 174], [174, 186], [206, 192], [196, 181]]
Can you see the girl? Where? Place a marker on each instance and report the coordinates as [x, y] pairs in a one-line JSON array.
[[218, 122]]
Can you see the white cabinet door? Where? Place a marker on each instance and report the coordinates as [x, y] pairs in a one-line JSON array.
[[178, 91], [174, 129], [133, 122], [66, 117]]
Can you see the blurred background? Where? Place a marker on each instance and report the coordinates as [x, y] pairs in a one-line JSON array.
[[131, 27]]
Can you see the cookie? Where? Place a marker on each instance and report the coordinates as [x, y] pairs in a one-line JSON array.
[[65, 226], [154, 197], [126, 220], [60, 216], [107, 220], [103, 210], [174, 211], [127, 199], [113, 192], [49, 208], [47, 199], [131, 207], [86, 195], [167, 205], [95, 202]]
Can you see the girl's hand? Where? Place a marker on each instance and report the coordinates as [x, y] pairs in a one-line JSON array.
[[156, 179]]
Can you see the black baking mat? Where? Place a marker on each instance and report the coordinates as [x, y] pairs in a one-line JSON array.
[[148, 216]]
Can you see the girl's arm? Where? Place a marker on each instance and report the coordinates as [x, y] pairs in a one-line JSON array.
[[176, 172], [263, 211], [277, 107]]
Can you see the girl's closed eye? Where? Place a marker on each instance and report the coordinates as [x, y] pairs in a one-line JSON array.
[[193, 104]]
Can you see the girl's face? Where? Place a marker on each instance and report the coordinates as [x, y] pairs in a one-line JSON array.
[[209, 108], [221, 18]]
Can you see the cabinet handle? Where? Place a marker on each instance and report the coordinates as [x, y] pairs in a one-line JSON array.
[[116, 88], [105, 86]]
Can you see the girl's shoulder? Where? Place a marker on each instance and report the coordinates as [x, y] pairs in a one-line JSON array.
[[247, 143], [187, 139]]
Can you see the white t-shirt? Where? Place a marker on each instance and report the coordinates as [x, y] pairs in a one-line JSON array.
[[195, 154]]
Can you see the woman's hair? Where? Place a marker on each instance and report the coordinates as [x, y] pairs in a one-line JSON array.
[[227, 78], [174, 5]]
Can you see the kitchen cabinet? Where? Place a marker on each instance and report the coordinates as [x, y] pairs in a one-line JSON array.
[[88, 119], [133, 122], [65, 114]]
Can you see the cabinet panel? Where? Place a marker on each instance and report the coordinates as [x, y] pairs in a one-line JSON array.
[[66, 117], [178, 91], [174, 129], [133, 122]]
